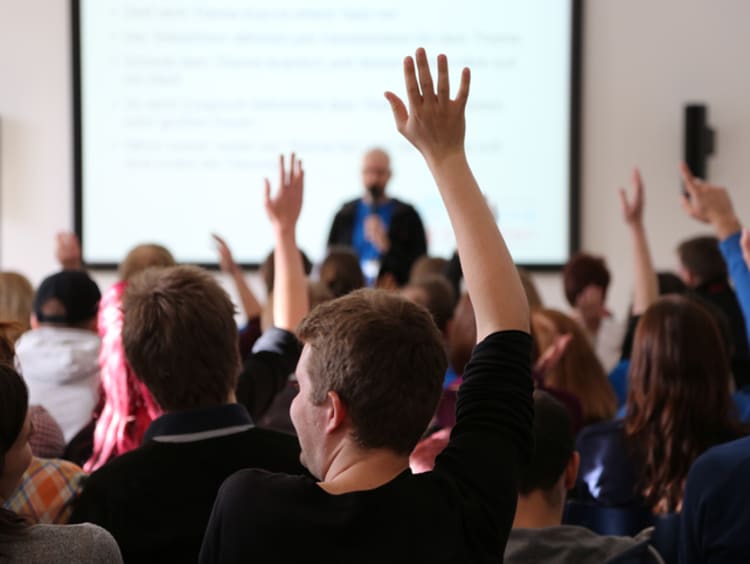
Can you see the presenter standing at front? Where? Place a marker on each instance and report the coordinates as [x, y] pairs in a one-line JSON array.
[[386, 233]]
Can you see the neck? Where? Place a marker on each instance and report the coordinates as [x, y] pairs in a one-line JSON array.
[[355, 469], [535, 512]]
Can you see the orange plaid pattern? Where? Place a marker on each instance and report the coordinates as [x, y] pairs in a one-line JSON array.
[[47, 490]]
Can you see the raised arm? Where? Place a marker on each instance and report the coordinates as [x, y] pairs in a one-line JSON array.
[[646, 289], [249, 302], [68, 251], [711, 204], [290, 298], [435, 125]]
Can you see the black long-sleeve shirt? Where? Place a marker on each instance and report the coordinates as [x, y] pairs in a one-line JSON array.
[[462, 511]]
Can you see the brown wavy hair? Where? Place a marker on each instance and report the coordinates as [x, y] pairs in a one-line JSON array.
[[678, 402], [578, 371]]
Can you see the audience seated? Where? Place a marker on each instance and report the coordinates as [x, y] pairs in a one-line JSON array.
[[586, 281], [704, 272], [537, 535], [128, 408], [59, 356], [180, 337], [678, 406], [370, 376], [20, 541], [711, 204], [578, 371]]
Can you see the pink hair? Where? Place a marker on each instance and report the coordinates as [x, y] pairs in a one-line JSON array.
[[128, 406]]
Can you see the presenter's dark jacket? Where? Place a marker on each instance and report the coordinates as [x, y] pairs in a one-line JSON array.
[[406, 234]]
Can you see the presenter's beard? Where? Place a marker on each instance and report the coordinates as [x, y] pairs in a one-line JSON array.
[[376, 192]]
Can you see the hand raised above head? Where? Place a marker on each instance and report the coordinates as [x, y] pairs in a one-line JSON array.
[[283, 210], [709, 203], [434, 123], [68, 250], [632, 210], [226, 260]]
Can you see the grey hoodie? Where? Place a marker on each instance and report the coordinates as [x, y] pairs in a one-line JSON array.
[[61, 369]]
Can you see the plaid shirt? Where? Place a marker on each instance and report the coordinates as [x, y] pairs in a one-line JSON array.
[[47, 490]]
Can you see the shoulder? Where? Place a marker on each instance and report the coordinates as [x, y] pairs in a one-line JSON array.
[[348, 208], [72, 543], [403, 208], [721, 464], [266, 489]]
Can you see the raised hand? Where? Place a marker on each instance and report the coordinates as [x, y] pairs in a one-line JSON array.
[[709, 203], [632, 210], [646, 284], [226, 260], [283, 210], [434, 123], [68, 250]]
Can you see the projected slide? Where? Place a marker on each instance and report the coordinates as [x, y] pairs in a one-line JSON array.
[[185, 106]]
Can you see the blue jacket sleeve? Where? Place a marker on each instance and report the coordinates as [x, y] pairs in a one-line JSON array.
[[739, 273]]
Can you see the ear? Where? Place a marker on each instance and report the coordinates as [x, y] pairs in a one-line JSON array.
[[571, 470], [335, 413], [33, 321]]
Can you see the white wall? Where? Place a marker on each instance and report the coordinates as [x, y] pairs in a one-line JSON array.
[[642, 61]]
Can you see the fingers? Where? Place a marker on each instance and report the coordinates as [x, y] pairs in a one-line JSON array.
[[400, 114], [412, 88], [267, 194], [691, 184], [624, 201], [425, 77], [463, 87], [443, 85], [637, 180], [282, 171], [219, 240]]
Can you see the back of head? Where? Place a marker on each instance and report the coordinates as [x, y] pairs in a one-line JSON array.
[[701, 257], [384, 357], [678, 399], [426, 266], [581, 271], [180, 337], [434, 293], [16, 298], [267, 270], [145, 256], [69, 298], [340, 271], [579, 370], [554, 444]]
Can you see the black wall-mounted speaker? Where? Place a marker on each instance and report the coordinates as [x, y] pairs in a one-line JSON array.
[[699, 139]]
